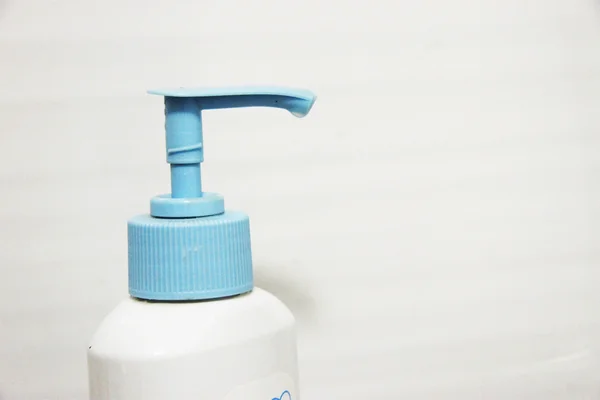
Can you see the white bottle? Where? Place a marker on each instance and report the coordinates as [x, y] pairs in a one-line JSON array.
[[194, 327]]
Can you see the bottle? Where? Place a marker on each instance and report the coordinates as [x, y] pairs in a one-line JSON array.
[[194, 327]]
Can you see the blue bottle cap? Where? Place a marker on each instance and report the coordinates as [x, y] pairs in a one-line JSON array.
[[189, 247]]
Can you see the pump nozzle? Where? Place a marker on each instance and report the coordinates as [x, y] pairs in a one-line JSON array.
[[185, 149]]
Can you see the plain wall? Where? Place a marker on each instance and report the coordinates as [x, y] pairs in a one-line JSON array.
[[433, 223]]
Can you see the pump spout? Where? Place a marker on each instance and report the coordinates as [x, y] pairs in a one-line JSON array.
[[298, 105], [297, 101]]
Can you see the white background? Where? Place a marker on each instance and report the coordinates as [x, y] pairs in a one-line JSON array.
[[433, 223]]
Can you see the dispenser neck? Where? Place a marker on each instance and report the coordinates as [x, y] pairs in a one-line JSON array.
[[184, 146]]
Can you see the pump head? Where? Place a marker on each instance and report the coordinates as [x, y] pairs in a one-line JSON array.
[[189, 247], [185, 147]]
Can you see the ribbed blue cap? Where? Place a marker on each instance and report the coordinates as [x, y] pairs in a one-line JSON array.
[[189, 258], [189, 247]]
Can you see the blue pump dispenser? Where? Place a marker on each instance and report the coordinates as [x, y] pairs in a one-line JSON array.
[[189, 247]]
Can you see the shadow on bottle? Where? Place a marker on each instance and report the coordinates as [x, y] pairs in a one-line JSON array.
[[294, 294]]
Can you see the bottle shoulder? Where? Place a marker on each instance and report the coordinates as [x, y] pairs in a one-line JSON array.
[[138, 327]]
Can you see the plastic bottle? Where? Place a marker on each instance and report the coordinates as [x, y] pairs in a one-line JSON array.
[[194, 327]]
